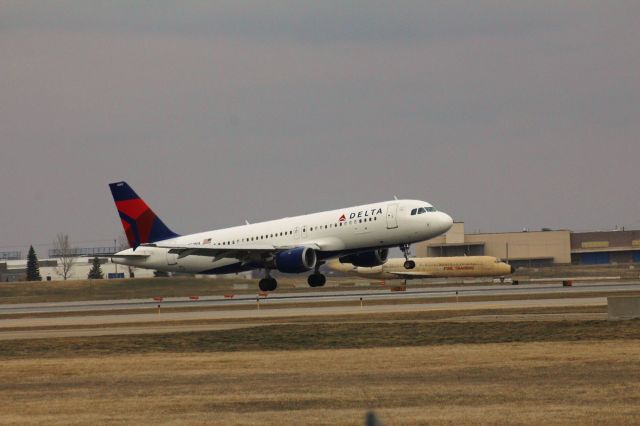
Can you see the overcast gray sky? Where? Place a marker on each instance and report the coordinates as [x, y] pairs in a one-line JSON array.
[[503, 114]]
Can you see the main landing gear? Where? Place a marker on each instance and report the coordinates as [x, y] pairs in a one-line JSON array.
[[408, 264], [317, 279], [268, 283]]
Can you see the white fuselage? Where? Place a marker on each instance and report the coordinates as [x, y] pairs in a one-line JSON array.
[[334, 233]]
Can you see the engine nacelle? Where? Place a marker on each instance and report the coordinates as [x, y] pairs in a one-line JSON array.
[[367, 259], [299, 259]]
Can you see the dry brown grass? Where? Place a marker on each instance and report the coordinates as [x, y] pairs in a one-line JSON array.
[[141, 288], [326, 335], [516, 383]]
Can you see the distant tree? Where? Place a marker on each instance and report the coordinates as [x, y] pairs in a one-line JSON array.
[[160, 274], [33, 268], [64, 254], [96, 270]]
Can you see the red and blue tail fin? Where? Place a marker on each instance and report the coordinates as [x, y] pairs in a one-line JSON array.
[[140, 223]]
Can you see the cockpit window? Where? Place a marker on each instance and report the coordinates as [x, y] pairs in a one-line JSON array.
[[421, 210]]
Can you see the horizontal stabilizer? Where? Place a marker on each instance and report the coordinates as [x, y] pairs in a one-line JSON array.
[[128, 256]]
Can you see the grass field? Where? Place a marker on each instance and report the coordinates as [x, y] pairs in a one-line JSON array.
[[582, 382], [411, 368], [326, 335], [65, 291], [140, 288]]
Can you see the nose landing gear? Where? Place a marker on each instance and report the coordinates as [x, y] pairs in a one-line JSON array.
[[408, 264]]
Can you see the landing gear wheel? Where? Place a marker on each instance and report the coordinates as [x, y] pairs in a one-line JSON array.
[[268, 284], [316, 280], [409, 264]]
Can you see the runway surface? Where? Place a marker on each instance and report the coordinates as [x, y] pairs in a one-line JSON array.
[[262, 316], [90, 319]]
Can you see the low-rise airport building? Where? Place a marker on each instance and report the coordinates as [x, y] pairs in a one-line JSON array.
[[538, 248]]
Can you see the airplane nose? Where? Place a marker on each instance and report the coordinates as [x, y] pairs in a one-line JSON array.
[[443, 222], [447, 221]]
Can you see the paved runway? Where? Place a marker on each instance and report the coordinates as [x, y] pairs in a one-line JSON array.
[[9, 328]]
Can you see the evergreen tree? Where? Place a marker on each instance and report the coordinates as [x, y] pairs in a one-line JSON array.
[[96, 270], [33, 269]]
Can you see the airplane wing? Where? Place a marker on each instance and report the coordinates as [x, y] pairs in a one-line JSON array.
[[242, 253]]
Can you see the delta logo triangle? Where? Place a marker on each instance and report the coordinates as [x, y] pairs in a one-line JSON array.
[[342, 218]]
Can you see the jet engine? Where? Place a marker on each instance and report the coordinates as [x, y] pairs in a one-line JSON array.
[[367, 259], [299, 259]]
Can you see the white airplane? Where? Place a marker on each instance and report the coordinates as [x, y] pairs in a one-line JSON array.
[[360, 235], [429, 267]]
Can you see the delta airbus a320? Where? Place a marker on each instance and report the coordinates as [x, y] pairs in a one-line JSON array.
[[360, 235]]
